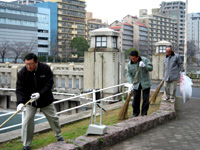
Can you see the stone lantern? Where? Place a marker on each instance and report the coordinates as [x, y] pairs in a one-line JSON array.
[[158, 60], [104, 64]]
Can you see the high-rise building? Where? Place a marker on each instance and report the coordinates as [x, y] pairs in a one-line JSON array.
[[53, 43], [126, 34], [93, 23], [27, 2], [176, 11], [160, 28], [140, 38], [193, 31], [71, 23], [18, 28]]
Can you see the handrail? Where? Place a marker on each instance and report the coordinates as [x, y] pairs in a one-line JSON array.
[[70, 109]]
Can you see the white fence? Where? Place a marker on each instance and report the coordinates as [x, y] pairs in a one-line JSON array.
[[91, 101]]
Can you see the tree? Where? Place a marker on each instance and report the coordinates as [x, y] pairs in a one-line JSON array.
[[4, 49], [80, 45], [127, 52], [18, 48], [28, 47], [54, 45], [191, 51]]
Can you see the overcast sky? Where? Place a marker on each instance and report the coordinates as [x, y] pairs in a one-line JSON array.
[[111, 10]]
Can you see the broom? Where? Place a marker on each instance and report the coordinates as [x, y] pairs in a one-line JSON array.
[[155, 94], [123, 112], [14, 114]]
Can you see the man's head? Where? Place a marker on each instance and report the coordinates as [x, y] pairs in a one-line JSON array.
[[168, 50], [31, 62], [134, 56]]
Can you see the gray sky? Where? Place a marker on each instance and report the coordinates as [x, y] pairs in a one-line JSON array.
[[111, 10]]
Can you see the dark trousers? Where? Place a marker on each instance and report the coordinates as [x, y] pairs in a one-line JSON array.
[[136, 101]]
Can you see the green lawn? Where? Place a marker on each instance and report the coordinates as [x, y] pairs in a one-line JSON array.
[[72, 131]]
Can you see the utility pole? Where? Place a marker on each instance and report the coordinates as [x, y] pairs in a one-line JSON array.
[[186, 37]]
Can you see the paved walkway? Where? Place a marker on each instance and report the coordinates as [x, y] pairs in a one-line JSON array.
[[180, 134]]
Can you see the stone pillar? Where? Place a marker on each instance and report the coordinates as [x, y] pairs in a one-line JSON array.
[[104, 64], [158, 60], [158, 66], [14, 72]]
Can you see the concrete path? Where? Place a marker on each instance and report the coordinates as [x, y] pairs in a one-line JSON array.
[[183, 133]]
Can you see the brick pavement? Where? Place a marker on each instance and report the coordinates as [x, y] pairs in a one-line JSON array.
[[183, 133]]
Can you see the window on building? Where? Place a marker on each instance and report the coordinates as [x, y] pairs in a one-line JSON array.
[[115, 42], [162, 49], [101, 41]]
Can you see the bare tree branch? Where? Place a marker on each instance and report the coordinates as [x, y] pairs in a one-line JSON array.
[[4, 49]]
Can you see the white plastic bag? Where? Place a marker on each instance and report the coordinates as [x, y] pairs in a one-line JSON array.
[[185, 87]]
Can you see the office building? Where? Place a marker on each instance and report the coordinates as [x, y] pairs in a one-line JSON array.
[[193, 31], [126, 34], [160, 28], [18, 28], [53, 43], [140, 38], [71, 23], [176, 11]]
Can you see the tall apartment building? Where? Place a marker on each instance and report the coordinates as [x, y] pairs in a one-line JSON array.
[[140, 38], [18, 27], [126, 34], [193, 31], [160, 28], [71, 23], [93, 23], [176, 11]]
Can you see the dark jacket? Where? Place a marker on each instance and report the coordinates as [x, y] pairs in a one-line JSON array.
[[40, 81]]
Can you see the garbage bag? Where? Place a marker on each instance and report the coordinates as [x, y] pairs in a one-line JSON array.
[[185, 87]]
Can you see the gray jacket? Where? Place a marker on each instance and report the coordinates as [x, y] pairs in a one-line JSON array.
[[173, 64], [143, 76]]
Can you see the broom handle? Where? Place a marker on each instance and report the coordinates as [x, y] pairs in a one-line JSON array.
[[136, 76], [14, 114]]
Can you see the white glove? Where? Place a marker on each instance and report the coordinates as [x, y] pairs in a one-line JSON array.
[[141, 64], [35, 96], [20, 107], [132, 87]]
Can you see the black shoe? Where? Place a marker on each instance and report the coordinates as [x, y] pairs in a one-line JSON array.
[[26, 148], [135, 115], [60, 139]]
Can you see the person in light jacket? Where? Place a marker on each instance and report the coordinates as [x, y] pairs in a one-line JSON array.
[[143, 82], [173, 65]]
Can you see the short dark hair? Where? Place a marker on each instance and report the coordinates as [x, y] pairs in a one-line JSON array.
[[134, 53], [31, 56]]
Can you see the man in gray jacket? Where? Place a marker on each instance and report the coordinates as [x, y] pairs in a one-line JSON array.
[[173, 64]]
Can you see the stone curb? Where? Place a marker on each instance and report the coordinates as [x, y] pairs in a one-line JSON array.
[[119, 132]]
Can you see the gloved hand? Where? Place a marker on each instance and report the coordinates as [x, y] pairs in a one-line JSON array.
[[132, 87], [35, 96], [183, 73], [141, 64], [20, 107]]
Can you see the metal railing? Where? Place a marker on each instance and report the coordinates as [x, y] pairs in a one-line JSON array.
[[81, 96]]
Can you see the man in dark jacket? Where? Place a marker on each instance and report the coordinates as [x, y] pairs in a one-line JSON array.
[[35, 81]]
